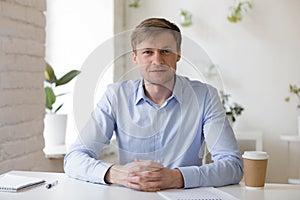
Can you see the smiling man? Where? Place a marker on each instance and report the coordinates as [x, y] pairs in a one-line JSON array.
[[161, 122]]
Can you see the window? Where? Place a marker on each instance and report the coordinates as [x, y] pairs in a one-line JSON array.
[[74, 29]]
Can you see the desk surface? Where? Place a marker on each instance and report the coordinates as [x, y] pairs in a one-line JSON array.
[[68, 188]]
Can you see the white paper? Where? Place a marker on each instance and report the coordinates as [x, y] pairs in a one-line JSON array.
[[203, 193]]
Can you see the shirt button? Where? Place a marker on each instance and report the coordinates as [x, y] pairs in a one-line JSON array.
[[158, 137]]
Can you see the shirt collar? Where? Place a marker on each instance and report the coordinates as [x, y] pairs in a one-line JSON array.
[[177, 90], [140, 94]]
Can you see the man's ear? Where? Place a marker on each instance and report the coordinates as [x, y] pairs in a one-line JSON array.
[[133, 55], [178, 55]]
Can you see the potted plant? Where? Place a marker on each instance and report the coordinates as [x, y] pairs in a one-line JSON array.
[[185, 18], [237, 11], [294, 89], [232, 109], [55, 124], [134, 4]]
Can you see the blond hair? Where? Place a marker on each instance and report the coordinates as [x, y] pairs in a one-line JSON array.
[[153, 26]]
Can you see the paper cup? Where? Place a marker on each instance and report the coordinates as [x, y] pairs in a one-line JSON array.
[[255, 168]]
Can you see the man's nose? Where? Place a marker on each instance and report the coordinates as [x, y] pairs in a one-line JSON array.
[[158, 58]]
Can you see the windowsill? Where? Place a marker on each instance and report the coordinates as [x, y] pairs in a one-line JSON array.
[[58, 151], [55, 152]]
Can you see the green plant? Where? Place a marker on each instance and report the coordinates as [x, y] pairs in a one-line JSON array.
[[232, 109], [51, 82], [186, 18], [134, 4], [211, 71], [294, 89], [236, 12]]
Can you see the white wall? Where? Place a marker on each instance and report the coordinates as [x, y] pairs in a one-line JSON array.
[[257, 58]]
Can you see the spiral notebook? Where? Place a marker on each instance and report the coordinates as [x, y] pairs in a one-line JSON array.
[[15, 183], [204, 193]]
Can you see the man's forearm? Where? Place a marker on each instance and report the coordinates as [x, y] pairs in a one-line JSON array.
[[81, 165], [219, 173]]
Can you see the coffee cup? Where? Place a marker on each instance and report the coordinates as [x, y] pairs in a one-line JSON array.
[[255, 168]]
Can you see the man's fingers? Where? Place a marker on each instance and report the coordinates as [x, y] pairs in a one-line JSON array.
[[139, 177], [145, 165], [152, 164], [143, 169], [147, 186]]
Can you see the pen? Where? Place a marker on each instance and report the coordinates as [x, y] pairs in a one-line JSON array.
[[50, 185]]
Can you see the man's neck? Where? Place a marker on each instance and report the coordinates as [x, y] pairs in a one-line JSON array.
[[159, 93]]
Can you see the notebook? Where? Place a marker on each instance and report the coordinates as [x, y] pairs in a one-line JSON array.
[[204, 193], [14, 183]]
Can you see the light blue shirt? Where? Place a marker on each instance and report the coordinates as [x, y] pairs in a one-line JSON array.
[[172, 134]]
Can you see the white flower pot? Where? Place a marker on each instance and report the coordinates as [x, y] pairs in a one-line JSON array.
[[55, 129]]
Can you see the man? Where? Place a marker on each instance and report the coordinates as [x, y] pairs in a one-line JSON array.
[[161, 122]]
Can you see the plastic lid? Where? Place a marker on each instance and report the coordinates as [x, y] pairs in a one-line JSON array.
[[255, 155]]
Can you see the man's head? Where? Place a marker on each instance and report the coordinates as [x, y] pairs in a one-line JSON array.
[[156, 50], [150, 27]]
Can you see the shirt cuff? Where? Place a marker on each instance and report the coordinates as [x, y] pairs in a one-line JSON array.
[[190, 176], [100, 172]]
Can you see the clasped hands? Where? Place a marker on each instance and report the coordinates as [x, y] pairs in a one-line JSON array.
[[144, 175]]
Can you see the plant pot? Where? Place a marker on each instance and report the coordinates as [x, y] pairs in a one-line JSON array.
[[55, 129]]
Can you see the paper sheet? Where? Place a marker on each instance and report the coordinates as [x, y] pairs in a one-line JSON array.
[[203, 193]]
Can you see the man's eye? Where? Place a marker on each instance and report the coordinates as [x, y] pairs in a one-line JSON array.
[[166, 51], [147, 52]]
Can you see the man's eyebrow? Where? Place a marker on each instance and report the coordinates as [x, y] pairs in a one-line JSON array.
[[167, 47], [151, 48], [146, 48]]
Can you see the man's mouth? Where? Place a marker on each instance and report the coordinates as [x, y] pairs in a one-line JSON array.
[[158, 70]]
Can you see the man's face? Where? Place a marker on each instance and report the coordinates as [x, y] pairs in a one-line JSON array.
[[156, 58]]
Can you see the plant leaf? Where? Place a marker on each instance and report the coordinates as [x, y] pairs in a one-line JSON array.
[[134, 4], [62, 94], [49, 74], [67, 77], [50, 97], [287, 99], [291, 87], [59, 107]]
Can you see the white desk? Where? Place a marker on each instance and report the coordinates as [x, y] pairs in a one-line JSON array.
[[68, 188]]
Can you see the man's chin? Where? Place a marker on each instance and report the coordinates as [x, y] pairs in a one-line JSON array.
[[161, 82]]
